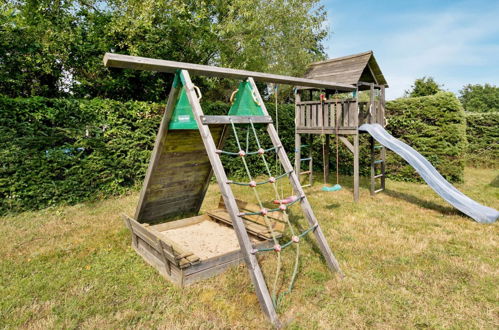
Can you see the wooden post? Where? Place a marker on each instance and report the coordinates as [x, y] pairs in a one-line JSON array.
[[356, 174], [231, 205], [311, 160], [383, 168], [372, 187], [372, 105], [382, 106], [295, 182], [356, 167], [158, 146]]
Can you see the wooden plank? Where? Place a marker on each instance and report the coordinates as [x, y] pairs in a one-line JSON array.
[[151, 64], [179, 223], [347, 144], [315, 108], [220, 145], [158, 146], [229, 199], [302, 115], [295, 182], [326, 130], [211, 120]]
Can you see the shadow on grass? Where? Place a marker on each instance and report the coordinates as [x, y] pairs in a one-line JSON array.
[[293, 219], [423, 203], [495, 183]]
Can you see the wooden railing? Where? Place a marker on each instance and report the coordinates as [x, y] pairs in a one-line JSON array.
[[326, 115], [345, 114]]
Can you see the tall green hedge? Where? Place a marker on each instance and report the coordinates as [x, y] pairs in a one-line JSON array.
[[433, 125], [66, 150], [483, 137]]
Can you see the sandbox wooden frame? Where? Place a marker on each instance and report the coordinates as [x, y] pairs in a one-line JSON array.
[[210, 147]]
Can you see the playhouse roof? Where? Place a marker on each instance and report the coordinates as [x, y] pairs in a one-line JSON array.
[[349, 69]]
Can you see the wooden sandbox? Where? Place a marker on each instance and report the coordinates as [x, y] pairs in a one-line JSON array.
[[191, 249]]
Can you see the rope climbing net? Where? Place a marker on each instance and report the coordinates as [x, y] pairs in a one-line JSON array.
[[283, 204]]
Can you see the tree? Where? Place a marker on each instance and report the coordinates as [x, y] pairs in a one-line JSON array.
[[423, 87], [480, 98], [55, 47]]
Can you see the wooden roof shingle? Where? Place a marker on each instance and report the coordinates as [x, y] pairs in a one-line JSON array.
[[348, 70]]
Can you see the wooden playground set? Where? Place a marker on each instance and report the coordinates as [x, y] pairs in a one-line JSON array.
[[184, 246]]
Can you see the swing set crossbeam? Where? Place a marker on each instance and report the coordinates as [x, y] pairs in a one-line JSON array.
[[152, 64]]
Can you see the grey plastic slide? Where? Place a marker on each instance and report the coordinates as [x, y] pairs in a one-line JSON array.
[[435, 180]]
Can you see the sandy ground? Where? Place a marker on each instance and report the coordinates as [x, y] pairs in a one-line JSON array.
[[205, 239]]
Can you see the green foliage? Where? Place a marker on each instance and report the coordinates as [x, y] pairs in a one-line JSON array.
[[55, 48], [424, 87], [68, 150], [480, 98], [433, 125], [65, 150], [483, 138]]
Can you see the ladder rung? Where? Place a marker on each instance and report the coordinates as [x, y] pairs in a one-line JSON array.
[[305, 159], [378, 176], [305, 186], [378, 147], [305, 172], [378, 191], [379, 161]]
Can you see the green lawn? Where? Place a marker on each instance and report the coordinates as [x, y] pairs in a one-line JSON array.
[[410, 260]]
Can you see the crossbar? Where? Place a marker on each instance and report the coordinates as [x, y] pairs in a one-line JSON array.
[[213, 120], [152, 64]]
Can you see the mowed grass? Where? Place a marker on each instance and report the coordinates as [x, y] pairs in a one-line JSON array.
[[410, 261]]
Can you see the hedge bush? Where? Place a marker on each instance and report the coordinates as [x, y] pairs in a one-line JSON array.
[[433, 125], [482, 131], [67, 150], [64, 151]]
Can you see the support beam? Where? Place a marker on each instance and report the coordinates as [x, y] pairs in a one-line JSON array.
[[152, 64], [347, 144], [372, 186], [356, 167]]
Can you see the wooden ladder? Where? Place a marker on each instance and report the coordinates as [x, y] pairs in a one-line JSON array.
[[310, 160], [253, 266], [381, 162]]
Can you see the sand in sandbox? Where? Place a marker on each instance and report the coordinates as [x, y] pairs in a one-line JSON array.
[[205, 239]]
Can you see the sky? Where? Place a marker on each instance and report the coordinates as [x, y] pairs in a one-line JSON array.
[[455, 42]]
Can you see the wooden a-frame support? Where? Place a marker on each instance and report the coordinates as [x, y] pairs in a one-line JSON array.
[[226, 191]]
